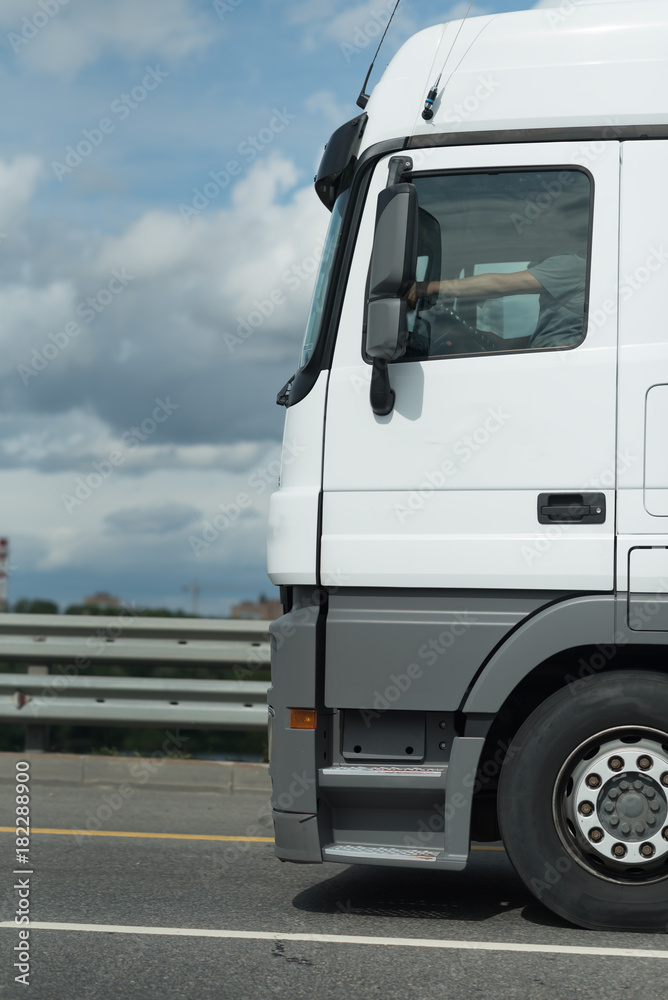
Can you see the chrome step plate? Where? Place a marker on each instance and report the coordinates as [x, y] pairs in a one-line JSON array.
[[353, 769], [403, 853]]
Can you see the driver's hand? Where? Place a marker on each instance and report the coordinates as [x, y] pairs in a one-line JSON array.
[[418, 290]]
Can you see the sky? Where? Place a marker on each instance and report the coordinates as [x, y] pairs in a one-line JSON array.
[[156, 167]]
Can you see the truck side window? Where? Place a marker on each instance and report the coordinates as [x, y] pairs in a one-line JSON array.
[[502, 262]]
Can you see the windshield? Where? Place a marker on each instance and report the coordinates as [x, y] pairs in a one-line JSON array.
[[322, 281]]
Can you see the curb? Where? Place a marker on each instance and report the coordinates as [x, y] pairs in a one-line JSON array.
[[157, 771]]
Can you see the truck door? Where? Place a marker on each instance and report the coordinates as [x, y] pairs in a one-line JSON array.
[[492, 426]]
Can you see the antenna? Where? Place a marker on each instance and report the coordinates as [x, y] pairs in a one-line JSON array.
[[428, 110], [363, 98]]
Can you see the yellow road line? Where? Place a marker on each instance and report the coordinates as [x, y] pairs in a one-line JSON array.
[[180, 836], [163, 836]]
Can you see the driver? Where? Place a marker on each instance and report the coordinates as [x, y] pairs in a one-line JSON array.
[[559, 280]]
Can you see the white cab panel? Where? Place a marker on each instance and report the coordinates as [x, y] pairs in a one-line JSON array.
[[428, 541], [293, 509]]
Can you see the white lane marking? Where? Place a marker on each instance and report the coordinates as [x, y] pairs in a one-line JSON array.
[[554, 949]]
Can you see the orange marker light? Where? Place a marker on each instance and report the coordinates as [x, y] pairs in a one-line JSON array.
[[302, 718]]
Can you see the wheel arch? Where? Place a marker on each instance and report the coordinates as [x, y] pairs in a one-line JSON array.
[[559, 647], [581, 622]]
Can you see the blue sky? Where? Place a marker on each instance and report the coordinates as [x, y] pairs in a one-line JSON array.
[[129, 418]]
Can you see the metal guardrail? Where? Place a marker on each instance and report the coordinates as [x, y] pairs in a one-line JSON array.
[[78, 642], [133, 701], [110, 639]]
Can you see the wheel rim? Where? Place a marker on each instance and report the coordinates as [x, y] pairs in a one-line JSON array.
[[610, 805]]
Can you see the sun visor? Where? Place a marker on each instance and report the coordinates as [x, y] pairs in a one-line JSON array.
[[338, 160]]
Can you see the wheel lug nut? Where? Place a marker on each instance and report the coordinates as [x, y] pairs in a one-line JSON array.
[[613, 793], [624, 786], [644, 763], [614, 821], [651, 821], [586, 808], [615, 763], [664, 778], [639, 828], [596, 835], [665, 833], [647, 850], [594, 781], [625, 828], [619, 850], [655, 807], [609, 807], [649, 792], [638, 785]]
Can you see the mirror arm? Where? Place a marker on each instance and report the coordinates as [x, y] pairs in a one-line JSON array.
[[399, 169], [284, 395], [381, 394]]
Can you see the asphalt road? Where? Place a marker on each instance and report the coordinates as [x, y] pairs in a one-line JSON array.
[[225, 886]]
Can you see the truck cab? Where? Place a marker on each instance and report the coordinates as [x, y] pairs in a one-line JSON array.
[[471, 528]]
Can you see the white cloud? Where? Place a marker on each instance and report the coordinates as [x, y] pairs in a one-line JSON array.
[[125, 525], [18, 181], [76, 440], [63, 36], [357, 28], [325, 103], [29, 314], [205, 277], [359, 25], [162, 337], [205, 302]]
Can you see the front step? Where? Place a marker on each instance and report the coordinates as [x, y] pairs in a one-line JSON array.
[[384, 776], [365, 801], [401, 857]]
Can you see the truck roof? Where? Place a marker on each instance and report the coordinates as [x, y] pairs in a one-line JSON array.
[[581, 64]]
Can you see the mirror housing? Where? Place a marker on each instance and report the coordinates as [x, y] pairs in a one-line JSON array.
[[391, 274]]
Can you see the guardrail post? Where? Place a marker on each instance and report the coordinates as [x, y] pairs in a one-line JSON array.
[[37, 736]]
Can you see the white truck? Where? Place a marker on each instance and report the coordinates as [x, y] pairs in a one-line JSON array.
[[471, 527]]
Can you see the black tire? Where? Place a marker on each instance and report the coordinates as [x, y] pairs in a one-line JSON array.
[[563, 831]]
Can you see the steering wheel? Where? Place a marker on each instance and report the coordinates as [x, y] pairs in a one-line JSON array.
[[458, 337]]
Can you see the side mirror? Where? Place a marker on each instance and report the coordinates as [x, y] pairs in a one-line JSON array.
[[391, 274]]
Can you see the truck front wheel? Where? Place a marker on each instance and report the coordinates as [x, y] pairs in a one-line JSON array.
[[583, 802]]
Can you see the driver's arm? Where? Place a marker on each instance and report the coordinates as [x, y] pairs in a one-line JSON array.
[[477, 286]]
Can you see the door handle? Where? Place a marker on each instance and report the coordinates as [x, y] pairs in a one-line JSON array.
[[571, 508]]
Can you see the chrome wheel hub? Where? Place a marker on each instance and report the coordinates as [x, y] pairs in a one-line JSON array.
[[611, 805]]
